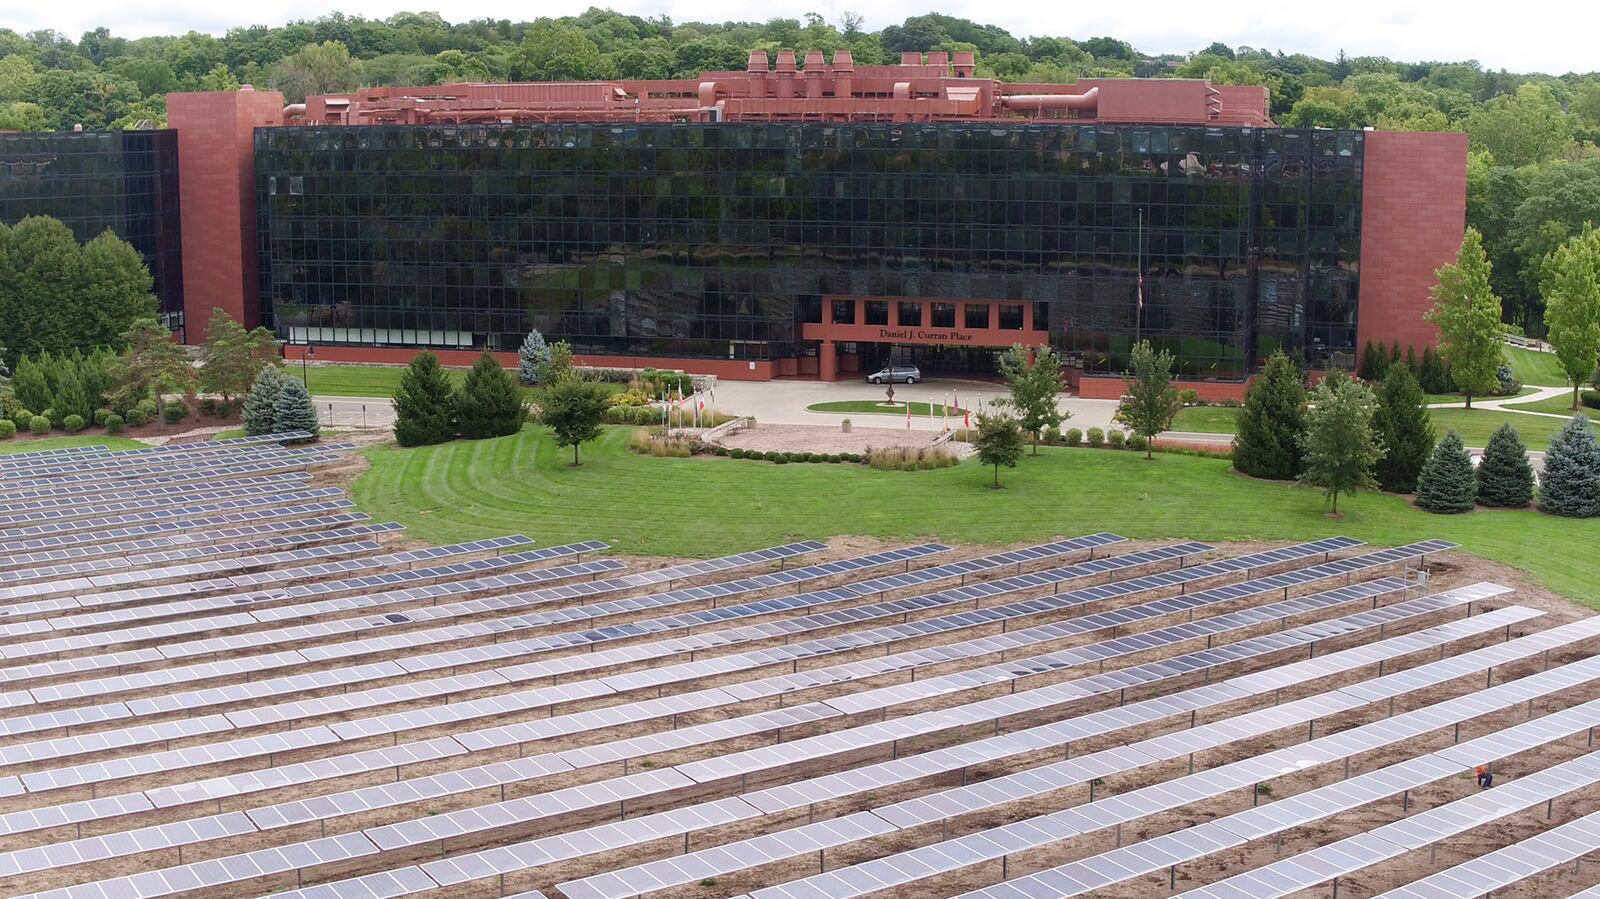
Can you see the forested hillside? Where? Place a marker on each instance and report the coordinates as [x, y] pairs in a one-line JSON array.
[[1534, 169]]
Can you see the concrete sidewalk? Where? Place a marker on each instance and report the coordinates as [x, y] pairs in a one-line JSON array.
[[786, 402]]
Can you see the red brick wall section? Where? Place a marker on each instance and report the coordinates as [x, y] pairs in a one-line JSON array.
[[216, 185], [726, 369], [1413, 213]]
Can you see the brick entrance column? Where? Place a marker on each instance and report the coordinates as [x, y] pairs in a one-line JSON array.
[[828, 361]]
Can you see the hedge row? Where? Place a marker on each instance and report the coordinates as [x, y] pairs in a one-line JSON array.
[[785, 458]]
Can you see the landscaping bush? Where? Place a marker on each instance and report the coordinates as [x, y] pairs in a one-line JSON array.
[[736, 453], [1138, 442], [39, 425], [22, 418], [1447, 484], [73, 423], [1571, 484], [52, 416], [208, 405], [174, 413], [1073, 437], [1591, 398], [1504, 476], [1116, 439], [1189, 397], [135, 417], [906, 458], [149, 407], [8, 429], [113, 423], [851, 457], [783, 459], [657, 444], [1097, 438], [100, 416], [628, 398]]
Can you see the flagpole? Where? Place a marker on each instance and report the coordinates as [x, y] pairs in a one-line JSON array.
[[1138, 262]]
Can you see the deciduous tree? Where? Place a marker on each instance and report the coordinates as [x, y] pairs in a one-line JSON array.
[[1467, 313], [1339, 446], [571, 406], [1035, 389], [998, 442], [1572, 306], [1151, 401]]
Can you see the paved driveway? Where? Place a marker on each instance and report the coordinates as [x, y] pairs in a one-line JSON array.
[[785, 402]]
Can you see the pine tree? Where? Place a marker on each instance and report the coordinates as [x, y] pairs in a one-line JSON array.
[[1447, 484], [489, 404], [1467, 312], [1151, 401], [1403, 424], [1411, 364], [424, 404], [1268, 441], [71, 397], [1571, 483], [1372, 363], [261, 404], [231, 357], [1394, 355], [1434, 377], [30, 386], [294, 409], [1504, 476], [533, 354], [1339, 445]]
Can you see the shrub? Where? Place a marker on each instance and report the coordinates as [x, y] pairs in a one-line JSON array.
[[656, 444], [113, 423], [1097, 438], [1189, 397], [783, 459], [1504, 476], [1116, 439], [51, 414], [39, 425], [1074, 437], [22, 418], [208, 405], [135, 417], [100, 416], [1447, 484], [489, 403], [851, 457], [736, 453], [1138, 442], [1591, 398], [149, 407], [1571, 483], [174, 413], [1509, 385], [907, 458], [8, 429], [1191, 448], [73, 423]]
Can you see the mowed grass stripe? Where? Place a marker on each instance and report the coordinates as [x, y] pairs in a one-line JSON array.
[[707, 506]]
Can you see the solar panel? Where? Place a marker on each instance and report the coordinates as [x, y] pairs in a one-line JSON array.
[[264, 535]]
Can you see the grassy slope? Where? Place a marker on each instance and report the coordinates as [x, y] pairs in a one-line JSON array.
[[371, 380], [50, 443], [871, 407], [1534, 367], [704, 506], [1560, 405], [1474, 426]]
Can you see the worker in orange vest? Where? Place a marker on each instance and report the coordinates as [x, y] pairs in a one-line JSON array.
[[1485, 777]]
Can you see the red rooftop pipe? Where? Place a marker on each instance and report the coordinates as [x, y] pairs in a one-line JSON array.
[[1087, 100]]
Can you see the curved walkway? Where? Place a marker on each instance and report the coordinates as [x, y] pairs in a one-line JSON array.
[[1501, 403]]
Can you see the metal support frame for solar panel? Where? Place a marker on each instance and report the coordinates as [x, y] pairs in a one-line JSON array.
[[1503, 867]]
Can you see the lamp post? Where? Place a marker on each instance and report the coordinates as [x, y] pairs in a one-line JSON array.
[[305, 378]]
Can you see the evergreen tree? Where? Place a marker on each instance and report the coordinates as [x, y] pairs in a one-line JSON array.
[[1339, 445], [30, 386], [231, 357], [293, 409], [489, 404], [1447, 484], [1035, 389], [71, 398], [533, 353], [1403, 424], [1151, 401], [1411, 364], [1394, 355], [1504, 476], [1267, 444], [1435, 377], [1467, 312], [151, 365], [424, 404], [1571, 482], [261, 404], [572, 407], [1372, 363], [998, 442]]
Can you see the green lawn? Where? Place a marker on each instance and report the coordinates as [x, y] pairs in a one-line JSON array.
[[372, 380], [871, 407], [1534, 367], [1474, 426], [50, 443], [1461, 398], [1560, 405], [1207, 419], [705, 506]]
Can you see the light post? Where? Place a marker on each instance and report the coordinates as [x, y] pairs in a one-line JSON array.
[[305, 377]]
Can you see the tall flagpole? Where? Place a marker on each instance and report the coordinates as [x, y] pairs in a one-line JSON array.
[[1138, 262]]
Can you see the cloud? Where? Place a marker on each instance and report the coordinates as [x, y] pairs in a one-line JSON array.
[[1536, 36]]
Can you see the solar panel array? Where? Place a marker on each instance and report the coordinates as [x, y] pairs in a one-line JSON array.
[[217, 679]]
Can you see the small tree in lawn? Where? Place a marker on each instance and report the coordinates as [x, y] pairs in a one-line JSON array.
[[424, 404], [1035, 388], [1447, 485], [533, 353], [1571, 482], [261, 403], [1151, 401], [1339, 446], [1403, 424], [1572, 306], [1267, 444], [489, 403], [294, 409], [572, 407], [1467, 312], [998, 442], [231, 357], [1504, 476]]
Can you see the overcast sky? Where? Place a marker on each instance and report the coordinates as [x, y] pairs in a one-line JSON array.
[[1554, 36]]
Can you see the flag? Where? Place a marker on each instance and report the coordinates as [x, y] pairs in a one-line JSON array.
[[908, 415], [945, 406], [1140, 291]]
